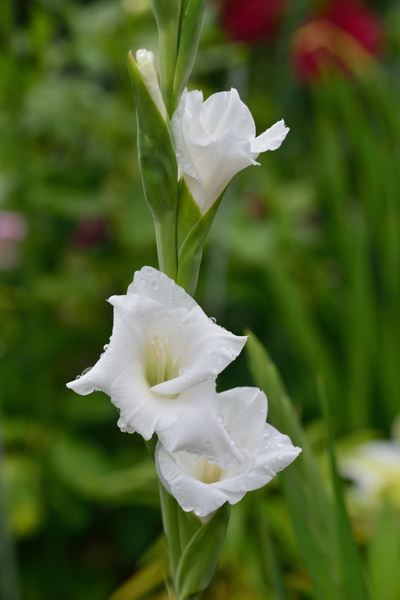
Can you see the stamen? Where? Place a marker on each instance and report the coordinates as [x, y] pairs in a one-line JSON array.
[[158, 343]]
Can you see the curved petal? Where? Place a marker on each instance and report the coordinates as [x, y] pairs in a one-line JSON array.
[[276, 451], [271, 139], [191, 494], [141, 410], [157, 286], [245, 411], [200, 429], [223, 112], [210, 348], [184, 159], [117, 356], [217, 162]]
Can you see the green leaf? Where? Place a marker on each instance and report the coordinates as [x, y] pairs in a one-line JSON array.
[[353, 580], [158, 169], [193, 228], [384, 556], [189, 33], [200, 557], [305, 494], [167, 14], [156, 150], [179, 528]]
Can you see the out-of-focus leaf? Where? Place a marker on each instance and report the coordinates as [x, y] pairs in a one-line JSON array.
[[384, 556], [305, 493]]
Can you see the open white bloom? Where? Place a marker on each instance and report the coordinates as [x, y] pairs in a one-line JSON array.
[[145, 62], [216, 139], [375, 469], [199, 485], [160, 364]]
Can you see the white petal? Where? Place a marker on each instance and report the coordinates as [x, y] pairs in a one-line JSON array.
[[141, 410], [191, 494], [209, 350], [225, 112], [145, 62], [150, 283], [180, 124], [277, 450], [245, 412], [200, 428], [270, 139], [117, 356], [217, 162]]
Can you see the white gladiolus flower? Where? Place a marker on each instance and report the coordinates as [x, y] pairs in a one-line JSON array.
[[201, 486], [216, 139], [374, 467], [145, 62], [160, 365]]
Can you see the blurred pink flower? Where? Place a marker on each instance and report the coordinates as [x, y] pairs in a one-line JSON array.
[[252, 20], [13, 229], [346, 36], [13, 226]]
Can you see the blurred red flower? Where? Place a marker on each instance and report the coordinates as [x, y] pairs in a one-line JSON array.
[[251, 20], [346, 36]]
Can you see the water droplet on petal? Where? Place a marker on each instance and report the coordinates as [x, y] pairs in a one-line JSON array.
[[154, 284], [231, 442], [187, 506], [198, 510], [194, 455], [149, 271], [280, 456], [219, 360], [105, 346], [251, 474], [213, 319], [209, 350], [212, 408], [220, 418], [207, 443], [189, 376], [78, 376], [279, 445]]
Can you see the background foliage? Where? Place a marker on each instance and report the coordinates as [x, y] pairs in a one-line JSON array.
[[305, 251]]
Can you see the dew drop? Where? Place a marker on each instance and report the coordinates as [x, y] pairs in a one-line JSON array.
[[279, 445], [280, 457], [189, 376], [183, 370], [251, 474], [213, 319], [219, 360], [212, 408], [187, 506], [78, 376], [154, 284], [211, 460], [266, 434], [105, 346], [231, 442], [209, 350], [266, 446], [149, 271], [194, 455], [207, 443], [220, 418], [198, 510]]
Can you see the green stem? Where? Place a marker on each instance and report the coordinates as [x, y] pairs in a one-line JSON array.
[[168, 53], [165, 227]]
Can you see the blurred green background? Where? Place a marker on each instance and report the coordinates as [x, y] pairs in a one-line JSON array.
[[305, 251]]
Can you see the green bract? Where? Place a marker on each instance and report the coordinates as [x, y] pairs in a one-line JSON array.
[[189, 33]]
